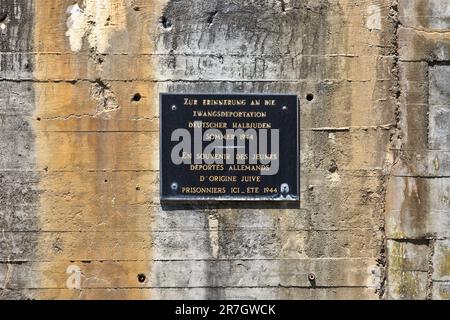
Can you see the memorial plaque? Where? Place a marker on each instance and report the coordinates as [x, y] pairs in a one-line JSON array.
[[229, 147]]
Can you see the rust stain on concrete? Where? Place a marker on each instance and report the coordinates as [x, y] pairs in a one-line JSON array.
[[94, 153]]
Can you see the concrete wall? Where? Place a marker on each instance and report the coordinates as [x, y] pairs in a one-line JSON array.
[[418, 205], [80, 215]]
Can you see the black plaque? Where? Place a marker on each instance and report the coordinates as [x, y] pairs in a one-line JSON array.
[[229, 147]]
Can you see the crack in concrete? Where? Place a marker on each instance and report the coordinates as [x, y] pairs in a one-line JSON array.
[[425, 30]]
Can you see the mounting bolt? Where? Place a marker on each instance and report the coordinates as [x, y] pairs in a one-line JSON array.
[[284, 108], [311, 277], [284, 188], [173, 107], [174, 186]]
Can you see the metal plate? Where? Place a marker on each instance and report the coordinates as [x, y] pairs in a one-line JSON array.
[[229, 147]]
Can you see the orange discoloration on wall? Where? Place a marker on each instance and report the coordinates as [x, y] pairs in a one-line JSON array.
[[97, 168], [362, 70]]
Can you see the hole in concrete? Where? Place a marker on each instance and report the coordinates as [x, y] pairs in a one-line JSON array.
[[141, 277], [211, 16], [106, 180], [138, 188], [310, 97], [3, 16], [283, 5], [136, 97], [136, 8], [38, 119], [166, 24]]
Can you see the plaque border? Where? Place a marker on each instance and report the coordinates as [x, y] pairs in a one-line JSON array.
[[257, 198]]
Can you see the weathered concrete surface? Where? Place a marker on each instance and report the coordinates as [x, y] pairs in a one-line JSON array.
[[418, 191], [19, 181], [79, 204]]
